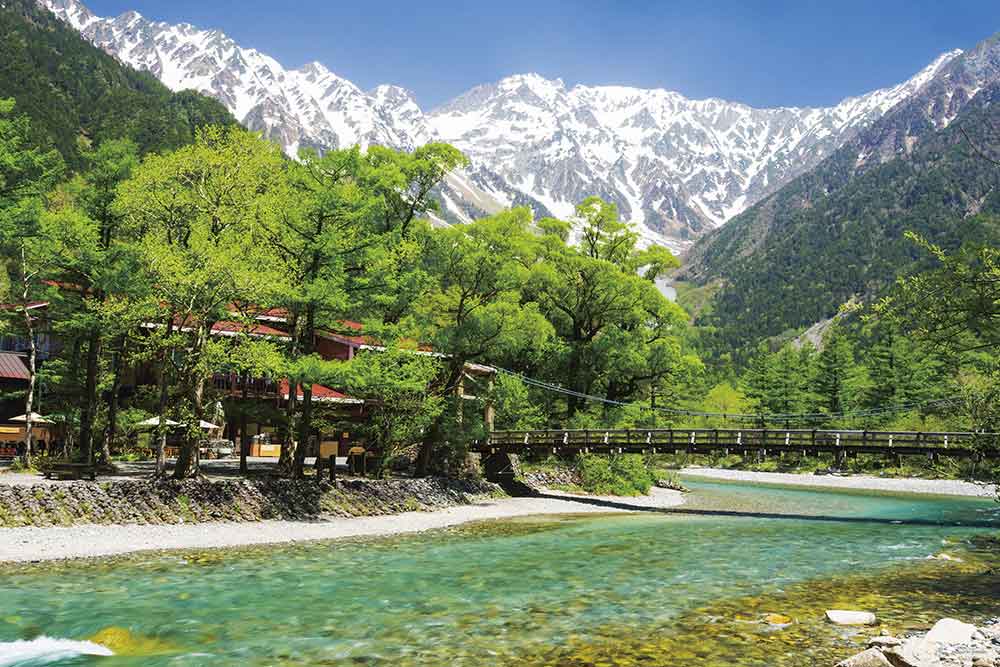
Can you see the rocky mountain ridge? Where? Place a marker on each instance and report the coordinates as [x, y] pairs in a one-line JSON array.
[[676, 166]]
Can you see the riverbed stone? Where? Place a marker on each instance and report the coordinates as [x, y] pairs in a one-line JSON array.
[[951, 631], [914, 652], [846, 617], [777, 619], [870, 658], [884, 641], [986, 659]]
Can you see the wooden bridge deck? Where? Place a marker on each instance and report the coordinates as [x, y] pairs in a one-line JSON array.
[[745, 441]]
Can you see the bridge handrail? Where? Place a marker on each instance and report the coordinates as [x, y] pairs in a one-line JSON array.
[[749, 438], [742, 430]]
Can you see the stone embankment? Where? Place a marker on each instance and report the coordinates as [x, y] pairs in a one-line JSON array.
[[198, 501], [950, 643], [553, 479]]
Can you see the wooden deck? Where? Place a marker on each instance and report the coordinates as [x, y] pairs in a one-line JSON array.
[[745, 441]]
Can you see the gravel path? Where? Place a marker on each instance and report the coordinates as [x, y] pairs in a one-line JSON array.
[[943, 487], [39, 544]]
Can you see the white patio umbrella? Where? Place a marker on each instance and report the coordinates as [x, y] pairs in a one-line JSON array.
[[155, 421], [207, 426], [35, 419]]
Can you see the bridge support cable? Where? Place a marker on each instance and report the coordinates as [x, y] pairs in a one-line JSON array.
[[730, 416]]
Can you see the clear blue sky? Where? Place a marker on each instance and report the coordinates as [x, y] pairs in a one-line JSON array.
[[762, 53]]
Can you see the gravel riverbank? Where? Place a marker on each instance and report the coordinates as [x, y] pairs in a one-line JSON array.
[[950, 643], [31, 544], [942, 487]]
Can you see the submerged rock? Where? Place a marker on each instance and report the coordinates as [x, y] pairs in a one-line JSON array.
[[123, 641], [777, 619], [944, 556], [844, 617]]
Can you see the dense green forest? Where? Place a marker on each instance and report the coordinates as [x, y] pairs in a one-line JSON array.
[[827, 238], [145, 218], [77, 95]]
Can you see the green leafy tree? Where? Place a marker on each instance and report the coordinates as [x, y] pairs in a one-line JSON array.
[[27, 172], [617, 332], [92, 260], [955, 304], [514, 406], [348, 246], [838, 382], [475, 312], [204, 217], [399, 409]]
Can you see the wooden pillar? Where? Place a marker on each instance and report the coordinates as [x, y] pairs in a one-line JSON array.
[[489, 412]]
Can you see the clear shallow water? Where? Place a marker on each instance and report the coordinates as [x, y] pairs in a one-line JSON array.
[[555, 590]]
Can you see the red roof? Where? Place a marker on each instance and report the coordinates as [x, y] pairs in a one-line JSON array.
[[12, 367], [225, 327], [319, 392]]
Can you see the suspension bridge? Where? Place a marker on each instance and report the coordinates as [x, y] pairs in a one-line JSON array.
[[842, 444]]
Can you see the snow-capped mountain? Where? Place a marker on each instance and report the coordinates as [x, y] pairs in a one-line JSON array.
[[677, 166]]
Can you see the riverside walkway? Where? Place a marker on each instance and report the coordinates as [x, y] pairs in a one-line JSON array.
[[842, 444]]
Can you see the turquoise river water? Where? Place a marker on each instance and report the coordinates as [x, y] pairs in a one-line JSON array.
[[679, 588]]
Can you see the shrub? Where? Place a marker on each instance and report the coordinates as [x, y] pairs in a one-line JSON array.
[[625, 475]]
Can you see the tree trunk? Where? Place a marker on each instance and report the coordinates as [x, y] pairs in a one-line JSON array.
[[433, 435], [286, 460], [88, 407], [305, 421], [116, 379], [572, 402], [161, 407], [189, 461], [32, 361], [244, 436], [305, 432]]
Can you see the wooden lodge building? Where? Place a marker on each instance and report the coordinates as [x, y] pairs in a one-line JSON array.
[[263, 400]]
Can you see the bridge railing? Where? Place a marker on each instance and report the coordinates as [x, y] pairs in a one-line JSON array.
[[695, 439]]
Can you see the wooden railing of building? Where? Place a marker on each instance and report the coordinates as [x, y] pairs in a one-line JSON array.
[[744, 441]]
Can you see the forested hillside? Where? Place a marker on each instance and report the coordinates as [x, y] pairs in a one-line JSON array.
[[73, 91], [838, 232]]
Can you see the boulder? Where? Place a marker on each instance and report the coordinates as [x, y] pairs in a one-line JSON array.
[[870, 658], [884, 641], [843, 617], [951, 631], [914, 652]]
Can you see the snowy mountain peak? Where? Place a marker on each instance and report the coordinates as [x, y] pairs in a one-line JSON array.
[[676, 166], [316, 70], [72, 12]]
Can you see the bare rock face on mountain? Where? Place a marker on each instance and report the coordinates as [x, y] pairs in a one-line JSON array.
[[676, 166]]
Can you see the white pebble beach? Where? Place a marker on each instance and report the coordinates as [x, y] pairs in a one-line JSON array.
[[92, 541]]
